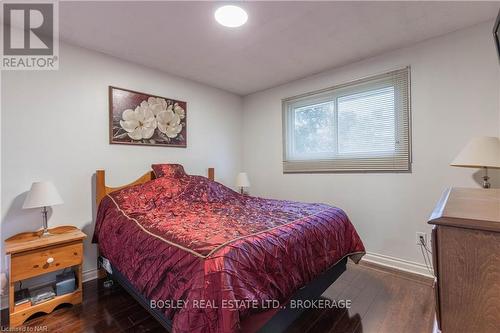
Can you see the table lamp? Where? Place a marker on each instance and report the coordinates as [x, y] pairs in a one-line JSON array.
[[42, 195], [482, 152], [242, 181]]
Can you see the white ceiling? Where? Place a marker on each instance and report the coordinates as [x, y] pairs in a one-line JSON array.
[[281, 41]]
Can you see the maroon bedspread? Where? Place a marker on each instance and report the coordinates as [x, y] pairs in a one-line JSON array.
[[206, 247]]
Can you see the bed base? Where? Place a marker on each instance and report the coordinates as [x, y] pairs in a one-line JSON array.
[[278, 322], [143, 301]]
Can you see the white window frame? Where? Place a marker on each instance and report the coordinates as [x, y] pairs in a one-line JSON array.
[[398, 160]]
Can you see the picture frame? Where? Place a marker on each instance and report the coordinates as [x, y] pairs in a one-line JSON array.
[[137, 118]]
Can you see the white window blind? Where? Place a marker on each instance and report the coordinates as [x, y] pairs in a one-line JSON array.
[[360, 126]]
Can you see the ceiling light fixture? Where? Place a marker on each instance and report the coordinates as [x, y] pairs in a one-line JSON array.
[[231, 16]]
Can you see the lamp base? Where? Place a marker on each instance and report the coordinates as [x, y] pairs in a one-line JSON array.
[[45, 233], [486, 183], [45, 225]]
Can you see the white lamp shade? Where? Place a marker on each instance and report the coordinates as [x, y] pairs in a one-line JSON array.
[[42, 194], [480, 152], [242, 180]]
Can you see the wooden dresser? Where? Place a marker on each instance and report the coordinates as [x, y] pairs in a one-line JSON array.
[[466, 258]]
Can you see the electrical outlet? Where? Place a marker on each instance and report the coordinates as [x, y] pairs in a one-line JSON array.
[[419, 237]]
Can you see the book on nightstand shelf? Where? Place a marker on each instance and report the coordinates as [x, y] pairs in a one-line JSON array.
[[22, 306], [22, 299], [42, 294]]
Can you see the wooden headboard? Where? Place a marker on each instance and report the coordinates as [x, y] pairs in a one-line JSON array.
[[102, 190]]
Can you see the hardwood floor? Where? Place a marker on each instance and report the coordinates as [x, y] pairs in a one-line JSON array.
[[382, 301]]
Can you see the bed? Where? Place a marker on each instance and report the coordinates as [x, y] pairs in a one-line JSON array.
[[201, 257]]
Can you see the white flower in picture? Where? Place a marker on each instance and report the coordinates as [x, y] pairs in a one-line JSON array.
[[139, 123], [179, 111], [169, 122], [156, 104]]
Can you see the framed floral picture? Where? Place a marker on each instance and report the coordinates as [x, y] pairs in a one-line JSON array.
[[137, 118]]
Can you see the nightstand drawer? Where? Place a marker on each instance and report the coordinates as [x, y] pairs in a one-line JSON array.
[[41, 261]]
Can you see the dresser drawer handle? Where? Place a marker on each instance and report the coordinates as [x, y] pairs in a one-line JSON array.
[[50, 260]]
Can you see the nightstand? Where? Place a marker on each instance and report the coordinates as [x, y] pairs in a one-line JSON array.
[[32, 256]]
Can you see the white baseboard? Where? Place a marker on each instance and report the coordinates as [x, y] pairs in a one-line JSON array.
[[4, 302], [91, 274], [397, 263]]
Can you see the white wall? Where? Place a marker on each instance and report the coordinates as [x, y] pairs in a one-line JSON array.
[[455, 96], [55, 127]]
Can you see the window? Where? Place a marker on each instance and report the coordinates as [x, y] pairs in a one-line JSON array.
[[360, 126]]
